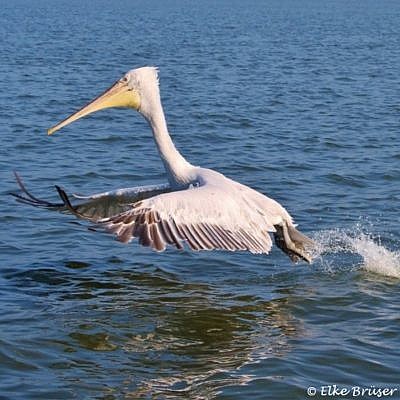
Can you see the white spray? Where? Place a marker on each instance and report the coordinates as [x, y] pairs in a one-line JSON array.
[[375, 257]]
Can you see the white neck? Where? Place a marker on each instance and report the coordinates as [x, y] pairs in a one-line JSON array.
[[178, 169]]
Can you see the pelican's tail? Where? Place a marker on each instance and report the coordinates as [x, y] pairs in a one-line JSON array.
[[296, 245]]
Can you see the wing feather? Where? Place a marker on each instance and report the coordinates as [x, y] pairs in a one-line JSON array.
[[96, 206], [204, 218], [216, 213]]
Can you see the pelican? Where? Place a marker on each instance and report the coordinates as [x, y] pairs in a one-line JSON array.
[[197, 207]]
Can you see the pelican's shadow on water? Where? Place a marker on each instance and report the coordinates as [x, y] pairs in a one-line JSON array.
[[146, 333]]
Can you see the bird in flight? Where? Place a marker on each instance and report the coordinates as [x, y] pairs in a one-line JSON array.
[[197, 207]]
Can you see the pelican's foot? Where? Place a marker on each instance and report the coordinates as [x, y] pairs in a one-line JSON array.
[[296, 245]]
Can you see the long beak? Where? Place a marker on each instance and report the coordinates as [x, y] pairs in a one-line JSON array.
[[118, 95]]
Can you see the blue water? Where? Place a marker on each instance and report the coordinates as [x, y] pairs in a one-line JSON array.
[[298, 99]]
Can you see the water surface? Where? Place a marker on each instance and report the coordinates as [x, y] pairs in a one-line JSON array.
[[296, 99]]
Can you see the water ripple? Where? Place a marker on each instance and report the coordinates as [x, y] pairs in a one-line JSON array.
[[298, 100]]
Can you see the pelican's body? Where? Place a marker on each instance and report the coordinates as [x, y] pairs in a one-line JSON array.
[[197, 206]]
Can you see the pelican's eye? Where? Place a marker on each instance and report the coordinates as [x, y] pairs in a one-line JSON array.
[[125, 79]]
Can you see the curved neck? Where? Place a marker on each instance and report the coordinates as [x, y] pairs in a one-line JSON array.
[[178, 169]]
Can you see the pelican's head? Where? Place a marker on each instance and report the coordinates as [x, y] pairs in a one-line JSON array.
[[137, 89]]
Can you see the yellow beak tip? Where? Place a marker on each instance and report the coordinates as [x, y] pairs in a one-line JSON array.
[[50, 131]]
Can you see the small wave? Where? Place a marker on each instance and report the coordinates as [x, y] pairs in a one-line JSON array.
[[375, 257]]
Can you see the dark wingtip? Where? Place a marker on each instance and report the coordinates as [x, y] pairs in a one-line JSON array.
[[64, 197], [67, 203], [29, 198]]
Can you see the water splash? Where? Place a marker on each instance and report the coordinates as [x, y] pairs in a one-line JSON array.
[[375, 257]]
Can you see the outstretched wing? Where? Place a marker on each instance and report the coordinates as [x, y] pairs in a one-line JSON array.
[[212, 216], [96, 206]]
